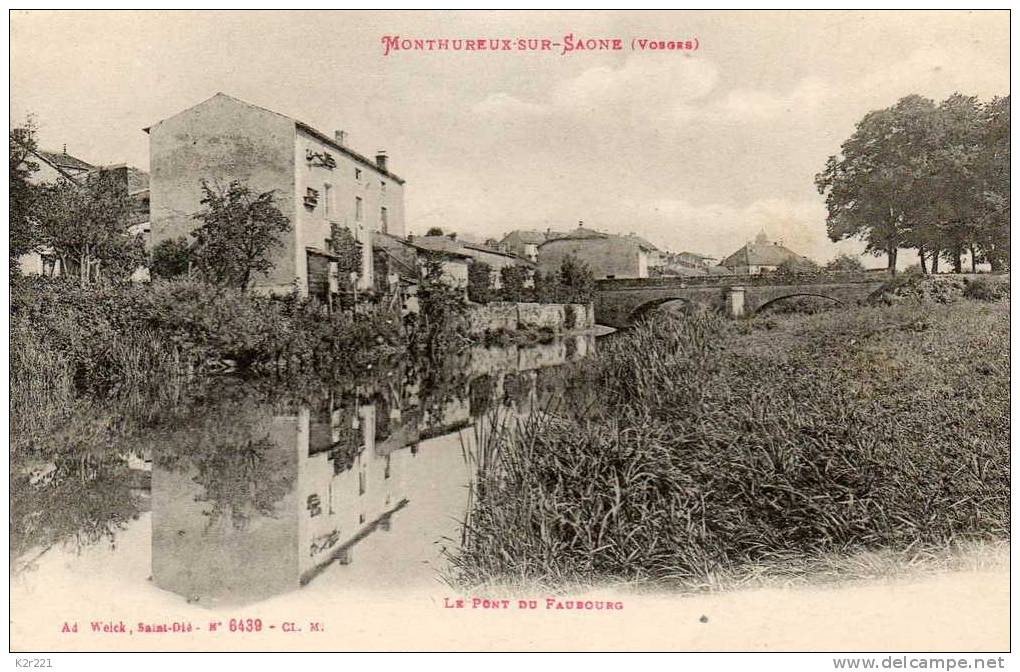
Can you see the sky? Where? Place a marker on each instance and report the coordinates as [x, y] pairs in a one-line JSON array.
[[694, 150]]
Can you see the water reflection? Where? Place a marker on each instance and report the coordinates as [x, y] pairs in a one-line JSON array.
[[255, 493]]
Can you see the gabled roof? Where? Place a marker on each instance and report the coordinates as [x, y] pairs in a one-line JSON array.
[[528, 237], [64, 160], [300, 125], [642, 242], [582, 233], [760, 254], [694, 255], [501, 253]]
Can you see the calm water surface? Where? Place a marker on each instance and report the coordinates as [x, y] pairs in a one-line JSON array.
[[241, 495]]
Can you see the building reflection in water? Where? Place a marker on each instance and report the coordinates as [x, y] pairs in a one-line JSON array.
[[262, 509]]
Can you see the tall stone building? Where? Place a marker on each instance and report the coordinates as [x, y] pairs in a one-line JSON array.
[[320, 183]]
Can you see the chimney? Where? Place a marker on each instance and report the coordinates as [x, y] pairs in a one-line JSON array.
[[65, 150], [380, 159], [341, 138]]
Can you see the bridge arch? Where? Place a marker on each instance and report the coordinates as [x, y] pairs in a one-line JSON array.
[[827, 297], [686, 304]]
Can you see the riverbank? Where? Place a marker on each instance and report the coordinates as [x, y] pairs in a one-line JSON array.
[[67, 339], [689, 449]]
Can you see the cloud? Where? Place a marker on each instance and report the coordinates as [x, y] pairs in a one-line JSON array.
[[806, 98], [646, 90]]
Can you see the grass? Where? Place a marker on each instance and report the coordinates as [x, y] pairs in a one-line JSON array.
[[692, 452]]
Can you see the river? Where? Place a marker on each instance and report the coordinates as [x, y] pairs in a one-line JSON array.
[[241, 494]]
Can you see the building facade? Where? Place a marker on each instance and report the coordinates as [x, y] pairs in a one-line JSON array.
[[54, 167], [760, 256], [319, 183], [523, 243], [497, 260], [607, 255]]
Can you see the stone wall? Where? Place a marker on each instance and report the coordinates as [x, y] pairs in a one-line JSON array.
[[516, 316]]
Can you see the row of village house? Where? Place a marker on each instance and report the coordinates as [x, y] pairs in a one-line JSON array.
[[321, 183]]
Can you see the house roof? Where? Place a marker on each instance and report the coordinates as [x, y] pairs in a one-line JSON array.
[[694, 255], [643, 242], [426, 244], [489, 250], [582, 233], [760, 254], [528, 237], [310, 130], [64, 160]]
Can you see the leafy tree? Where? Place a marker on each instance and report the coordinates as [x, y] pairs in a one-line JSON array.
[[845, 262], [512, 281], [237, 234], [441, 324], [878, 189], [171, 258], [797, 266], [435, 231], [577, 282], [479, 282], [88, 227], [991, 240], [24, 234], [344, 245], [954, 197]]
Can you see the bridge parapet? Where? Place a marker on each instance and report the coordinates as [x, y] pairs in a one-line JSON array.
[[757, 280], [618, 302]]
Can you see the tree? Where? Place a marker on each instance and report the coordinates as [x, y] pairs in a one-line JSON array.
[[577, 282], [479, 282], [992, 169], [171, 258], [441, 324], [955, 193], [435, 231], [878, 188], [845, 262], [797, 266], [237, 234], [345, 246], [24, 233], [88, 227], [512, 281]]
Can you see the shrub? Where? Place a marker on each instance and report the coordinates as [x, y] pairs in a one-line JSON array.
[[480, 282], [171, 258], [106, 336], [845, 262], [985, 290], [569, 316], [512, 281]]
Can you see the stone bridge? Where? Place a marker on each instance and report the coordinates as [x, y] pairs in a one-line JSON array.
[[618, 302]]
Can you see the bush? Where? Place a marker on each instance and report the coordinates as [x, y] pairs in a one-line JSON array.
[[171, 258], [985, 290], [845, 262], [106, 336], [479, 286], [569, 316]]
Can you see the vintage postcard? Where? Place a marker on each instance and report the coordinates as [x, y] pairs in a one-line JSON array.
[[511, 331]]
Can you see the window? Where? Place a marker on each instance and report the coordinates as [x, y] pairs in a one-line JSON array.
[[357, 209], [311, 197], [382, 185], [357, 174], [327, 193], [384, 219]]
